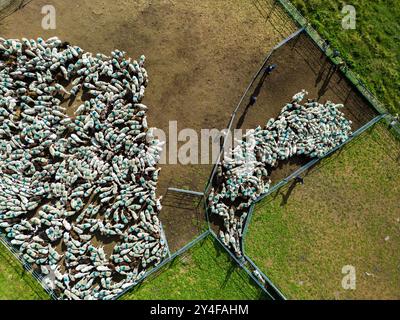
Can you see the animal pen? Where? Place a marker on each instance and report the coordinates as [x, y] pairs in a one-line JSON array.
[[302, 53], [335, 84]]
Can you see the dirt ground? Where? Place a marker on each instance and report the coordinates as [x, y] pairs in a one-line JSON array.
[[300, 65], [200, 57]]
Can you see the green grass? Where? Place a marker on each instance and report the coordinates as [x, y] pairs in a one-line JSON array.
[[205, 272], [346, 213], [372, 50], [15, 282]]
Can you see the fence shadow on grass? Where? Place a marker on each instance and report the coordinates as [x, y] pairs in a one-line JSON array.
[[228, 276], [23, 274], [286, 196], [236, 269], [231, 274], [286, 190]]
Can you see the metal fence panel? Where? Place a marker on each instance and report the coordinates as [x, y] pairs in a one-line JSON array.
[[166, 261], [16, 254], [241, 265]]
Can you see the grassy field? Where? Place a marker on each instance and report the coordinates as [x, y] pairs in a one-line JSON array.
[[15, 282], [346, 213], [205, 272], [372, 49]]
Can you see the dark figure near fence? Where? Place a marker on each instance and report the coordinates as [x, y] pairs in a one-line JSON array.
[[341, 64], [268, 70], [257, 90], [299, 180], [336, 53], [253, 100], [395, 120], [65, 45], [326, 45]]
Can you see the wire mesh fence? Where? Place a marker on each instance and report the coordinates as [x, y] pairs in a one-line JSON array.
[[182, 205], [182, 199], [36, 275], [272, 12], [7, 7], [305, 59], [353, 77], [366, 118]]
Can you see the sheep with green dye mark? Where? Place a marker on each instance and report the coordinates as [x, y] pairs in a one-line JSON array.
[[77, 177], [311, 129]]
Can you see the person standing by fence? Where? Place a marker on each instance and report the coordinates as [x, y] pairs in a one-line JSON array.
[[268, 70], [335, 54], [395, 120], [326, 45], [299, 180]]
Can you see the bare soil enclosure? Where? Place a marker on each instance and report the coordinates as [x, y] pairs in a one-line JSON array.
[[300, 65], [200, 57]]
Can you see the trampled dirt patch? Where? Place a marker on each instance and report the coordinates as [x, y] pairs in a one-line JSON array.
[[200, 57], [300, 65]]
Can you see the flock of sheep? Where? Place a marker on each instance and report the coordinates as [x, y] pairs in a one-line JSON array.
[[78, 193], [310, 129]]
